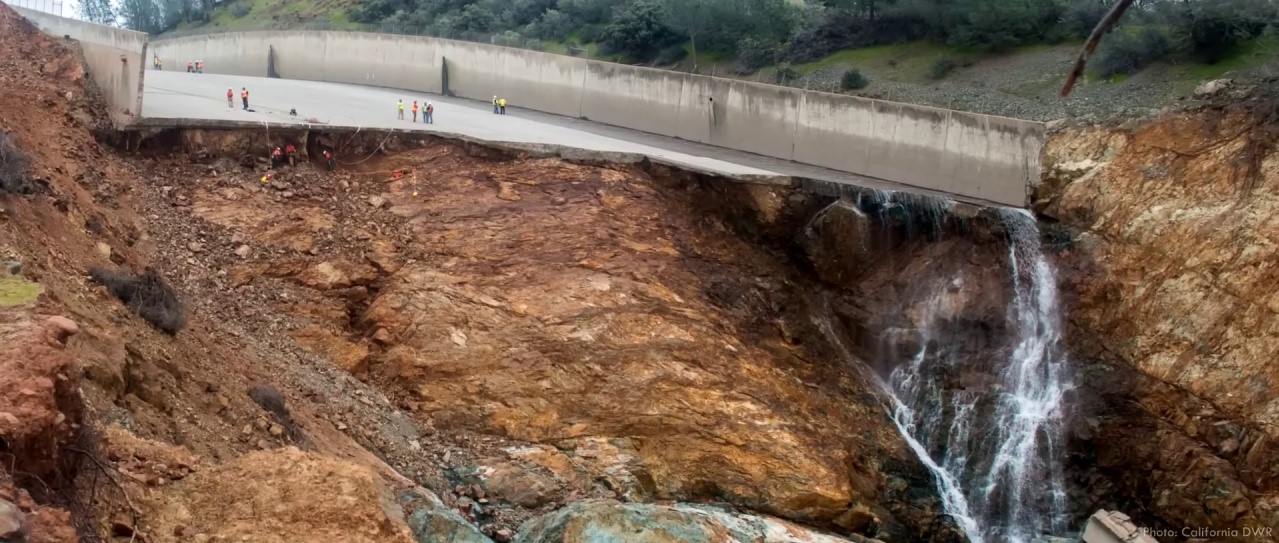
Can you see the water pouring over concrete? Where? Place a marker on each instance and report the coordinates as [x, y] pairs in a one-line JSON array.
[[1000, 442], [981, 405]]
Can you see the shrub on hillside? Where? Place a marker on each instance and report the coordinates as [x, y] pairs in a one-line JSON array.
[[998, 25], [1215, 28], [552, 25], [942, 68], [786, 75], [147, 294], [824, 30], [241, 11], [1127, 52], [753, 54], [637, 32], [853, 80], [13, 168], [1081, 16], [591, 34], [671, 55]]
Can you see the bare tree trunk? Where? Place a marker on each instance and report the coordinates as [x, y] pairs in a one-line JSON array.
[[693, 38], [1103, 26]]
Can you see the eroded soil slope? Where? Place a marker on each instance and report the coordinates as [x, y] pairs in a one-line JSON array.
[[78, 209]]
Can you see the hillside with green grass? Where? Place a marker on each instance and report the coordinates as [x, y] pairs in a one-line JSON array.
[[990, 56]]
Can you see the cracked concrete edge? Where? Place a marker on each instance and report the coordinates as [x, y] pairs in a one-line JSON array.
[[151, 126]]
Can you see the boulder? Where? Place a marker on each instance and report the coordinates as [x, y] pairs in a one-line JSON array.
[[13, 524], [520, 485], [1212, 88], [433, 522], [281, 495], [838, 242]]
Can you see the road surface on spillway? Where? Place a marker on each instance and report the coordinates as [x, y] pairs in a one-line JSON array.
[[186, 99]]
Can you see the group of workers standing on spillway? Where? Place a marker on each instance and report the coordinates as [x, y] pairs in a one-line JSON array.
[[428, 111], [244, 97], [193, 66], [279, 156]]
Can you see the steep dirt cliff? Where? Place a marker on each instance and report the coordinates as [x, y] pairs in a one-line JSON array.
[[1168, 239]]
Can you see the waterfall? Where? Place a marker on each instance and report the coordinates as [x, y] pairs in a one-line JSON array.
[[989, 428], [1000, 442]]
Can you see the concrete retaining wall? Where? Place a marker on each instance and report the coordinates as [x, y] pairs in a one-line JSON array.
[[978, 156], [115, 58]]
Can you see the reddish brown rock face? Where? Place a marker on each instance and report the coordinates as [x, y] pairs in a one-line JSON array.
[[571, 305], [1170, 283]]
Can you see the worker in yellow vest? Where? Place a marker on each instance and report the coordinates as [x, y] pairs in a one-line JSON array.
[[501, 105], [399, 107]]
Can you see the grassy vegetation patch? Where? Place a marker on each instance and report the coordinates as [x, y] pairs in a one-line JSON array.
[[909, 62], [1248, 53], [16, 290]]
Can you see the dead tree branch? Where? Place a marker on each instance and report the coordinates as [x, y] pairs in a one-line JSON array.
[[1103, 27]]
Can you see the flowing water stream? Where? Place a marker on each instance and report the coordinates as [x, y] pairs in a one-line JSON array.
[[990, 430]]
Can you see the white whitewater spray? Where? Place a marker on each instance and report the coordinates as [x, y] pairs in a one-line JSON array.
[[1001, 440], [993, 446]]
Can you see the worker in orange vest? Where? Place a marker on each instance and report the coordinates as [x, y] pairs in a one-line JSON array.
[[190, 66], [230, 97], [415, 111], [244, 96]]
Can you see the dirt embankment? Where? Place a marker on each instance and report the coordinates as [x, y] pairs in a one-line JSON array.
[[1170, 228], [77, 207]]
